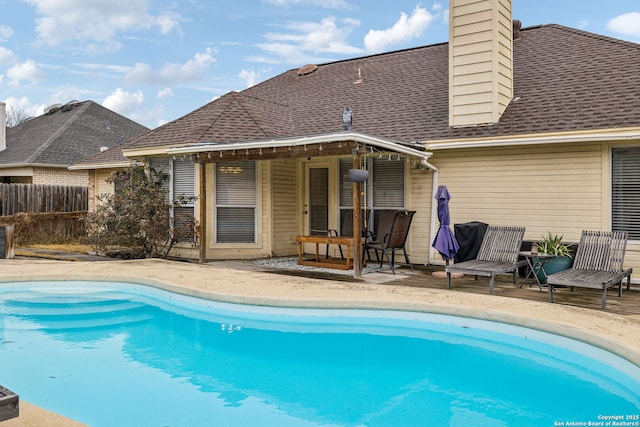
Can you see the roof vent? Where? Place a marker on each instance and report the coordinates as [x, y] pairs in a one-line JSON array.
[[307, 69], [517, 25], [103, 148], [70, 105], [52, 109]]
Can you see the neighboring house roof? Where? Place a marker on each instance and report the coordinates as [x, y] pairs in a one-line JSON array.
[[564, 80], [66, 135]]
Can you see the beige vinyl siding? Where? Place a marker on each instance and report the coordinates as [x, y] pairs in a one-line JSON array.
[[284, 207], [102, 186], [480, 59], [507, 186], [420, 199]]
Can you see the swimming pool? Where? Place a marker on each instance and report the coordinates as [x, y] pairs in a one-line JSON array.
[[124, 354]]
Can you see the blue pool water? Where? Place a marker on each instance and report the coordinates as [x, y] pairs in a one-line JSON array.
[[116, 354]]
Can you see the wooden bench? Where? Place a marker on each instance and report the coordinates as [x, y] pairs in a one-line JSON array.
[[598, 264], [498, 254], [318, 260]]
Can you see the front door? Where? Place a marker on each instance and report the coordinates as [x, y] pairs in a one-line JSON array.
[[316, 207]]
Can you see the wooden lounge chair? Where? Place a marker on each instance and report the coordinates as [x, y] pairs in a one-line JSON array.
[[598, 264], [395, 239], [498, 254]]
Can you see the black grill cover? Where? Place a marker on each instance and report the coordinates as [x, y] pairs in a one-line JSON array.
[[469, 236]]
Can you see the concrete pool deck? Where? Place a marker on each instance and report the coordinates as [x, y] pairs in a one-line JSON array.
[[240, 282]]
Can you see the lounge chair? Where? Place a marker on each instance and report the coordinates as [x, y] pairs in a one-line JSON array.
[[395, 239], [498, 254], [598, 264]]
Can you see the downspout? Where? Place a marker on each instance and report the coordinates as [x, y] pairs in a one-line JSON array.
[[434, 214], [434, 206]]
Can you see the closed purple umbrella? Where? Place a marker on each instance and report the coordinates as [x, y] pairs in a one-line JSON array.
[[445, 242]]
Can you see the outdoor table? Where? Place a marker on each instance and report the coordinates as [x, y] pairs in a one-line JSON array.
[[318, 261], [536, 262]]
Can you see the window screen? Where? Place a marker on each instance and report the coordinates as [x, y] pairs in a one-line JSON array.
[[625, 191], [236, 197]]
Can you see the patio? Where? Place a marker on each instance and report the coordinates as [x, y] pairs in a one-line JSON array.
[[422, 277]]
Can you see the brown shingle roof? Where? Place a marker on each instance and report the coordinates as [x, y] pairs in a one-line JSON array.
[[67, 135], [564, 80]]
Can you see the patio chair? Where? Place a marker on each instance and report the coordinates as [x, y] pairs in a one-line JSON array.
[[346, 226], [598, 264], [392, 241], [498, 254], [383, 219]]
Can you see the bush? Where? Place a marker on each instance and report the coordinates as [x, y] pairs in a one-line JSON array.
[[136, 220]]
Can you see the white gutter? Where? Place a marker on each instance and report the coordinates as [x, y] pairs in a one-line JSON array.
[[535, 140], [111, 165], [308, 140]]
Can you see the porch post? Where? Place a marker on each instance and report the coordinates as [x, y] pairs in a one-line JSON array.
[[357, 232], [203, 213]]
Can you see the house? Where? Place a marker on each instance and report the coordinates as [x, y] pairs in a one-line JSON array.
[[536, 126], [40, 150]]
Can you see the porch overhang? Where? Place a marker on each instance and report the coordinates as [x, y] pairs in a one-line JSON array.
[[333, 144]]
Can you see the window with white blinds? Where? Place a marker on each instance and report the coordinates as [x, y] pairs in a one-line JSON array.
[[386, 179], [387, 184], [236, 199], [625, 191], [179, 187], [384, 188], [163, 165], [184, 181]]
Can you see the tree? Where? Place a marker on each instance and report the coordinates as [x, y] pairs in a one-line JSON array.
[[136, 220], [16, 117]]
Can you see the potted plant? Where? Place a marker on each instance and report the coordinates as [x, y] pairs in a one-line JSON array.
[[557, 256]]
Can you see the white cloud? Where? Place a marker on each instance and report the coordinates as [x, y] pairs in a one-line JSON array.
[[24, 105], [327, 4], [163, 93], [6, 56], [627, 24], [190, 71], [96, 22], [27, 70], [5, 32], [67, 92], [406, 28], [122, 69], [123, 102], [305, 40], [250, 77]]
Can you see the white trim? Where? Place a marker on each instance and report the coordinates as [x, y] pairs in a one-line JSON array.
[[110, 165], [535, 140], [308, 140]]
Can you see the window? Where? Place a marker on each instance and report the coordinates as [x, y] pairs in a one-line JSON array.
[[179, 188], [625, 191], [236, 198], [383, 190]]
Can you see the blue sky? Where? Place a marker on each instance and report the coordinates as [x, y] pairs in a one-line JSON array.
[[156, 60]]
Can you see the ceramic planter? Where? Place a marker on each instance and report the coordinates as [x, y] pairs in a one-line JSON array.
[[552, 265], [358, 175]]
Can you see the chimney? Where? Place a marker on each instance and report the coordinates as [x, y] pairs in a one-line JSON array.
[[3, 126], [480, 61]]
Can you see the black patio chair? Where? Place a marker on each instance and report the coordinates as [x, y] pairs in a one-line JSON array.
[[392, 241], [346, 226]]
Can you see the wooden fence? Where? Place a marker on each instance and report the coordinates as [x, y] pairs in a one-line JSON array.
[[40, 198], [47, 228]]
